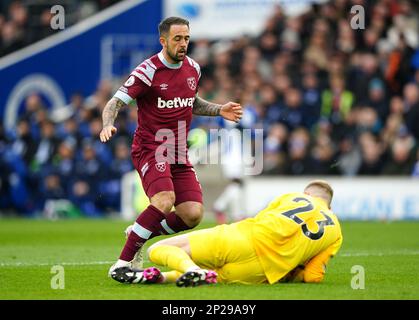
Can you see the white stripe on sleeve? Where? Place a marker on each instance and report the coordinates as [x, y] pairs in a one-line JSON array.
[[123, 96], [142, 77]]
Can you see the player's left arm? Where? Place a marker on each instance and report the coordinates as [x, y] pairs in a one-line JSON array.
[[315, 268], [229, 111]]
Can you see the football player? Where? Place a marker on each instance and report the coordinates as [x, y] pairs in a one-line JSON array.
[[165, 88], [291, 240]]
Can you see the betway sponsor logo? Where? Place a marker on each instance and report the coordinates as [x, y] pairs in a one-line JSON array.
[[175, 103]]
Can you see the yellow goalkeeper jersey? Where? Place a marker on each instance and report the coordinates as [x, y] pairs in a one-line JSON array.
[[295, 230]]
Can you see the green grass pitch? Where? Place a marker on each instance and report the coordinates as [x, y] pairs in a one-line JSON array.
[[388, 252]]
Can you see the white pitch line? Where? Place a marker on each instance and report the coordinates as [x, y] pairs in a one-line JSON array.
[[92, 263], [379, 254], [42, 264], [31, 264]]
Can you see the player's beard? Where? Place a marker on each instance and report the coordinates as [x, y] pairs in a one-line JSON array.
[[175, 56]]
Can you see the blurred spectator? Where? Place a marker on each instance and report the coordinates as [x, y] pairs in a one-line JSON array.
[[290, 39], [47, 146], [82, 195], [363, 70], [269, 102], [396, 105], [399, 65], [323, 156], [88, 166], [44, 25], [33, 105], [411, 108], [110, 187], [349, 158], [292, 114], [24, 145], [371, 149], [402, 156], [377, 98], [102, 151], [367, 120], [298, 152], [311, 99], [317, 51], [282, 82], [69, 129], [346, 39], [11, 38], [371, 37], [275, 148], [85, 183], [51, 188], [405, 24], [393, 127], [64, 162], [336, 101]]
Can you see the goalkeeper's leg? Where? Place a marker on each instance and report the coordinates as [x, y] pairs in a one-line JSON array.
[[175, 254]]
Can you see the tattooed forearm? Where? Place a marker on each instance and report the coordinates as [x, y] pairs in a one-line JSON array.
[[205, 108], [110, 111]]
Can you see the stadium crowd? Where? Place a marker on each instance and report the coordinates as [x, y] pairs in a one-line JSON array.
[[332, 100], [47, 158], [23, 22]]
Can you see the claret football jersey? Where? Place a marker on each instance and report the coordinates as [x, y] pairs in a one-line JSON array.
[[165, 94]]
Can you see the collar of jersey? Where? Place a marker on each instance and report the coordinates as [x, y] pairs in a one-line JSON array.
[[168, 64]]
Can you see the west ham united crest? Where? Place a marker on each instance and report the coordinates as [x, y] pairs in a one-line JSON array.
[[161, 166], [191, 83], [130, 81]]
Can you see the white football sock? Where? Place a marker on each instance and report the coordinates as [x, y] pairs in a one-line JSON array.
[[193, 269], [122, 263]]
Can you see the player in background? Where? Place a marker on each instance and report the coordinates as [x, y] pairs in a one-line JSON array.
[[165, 88], [291, 240], [228, 207]]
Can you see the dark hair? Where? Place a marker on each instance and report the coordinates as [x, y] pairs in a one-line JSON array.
[[165, 25]]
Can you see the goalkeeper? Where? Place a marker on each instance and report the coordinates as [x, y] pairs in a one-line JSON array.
[[291, 240]]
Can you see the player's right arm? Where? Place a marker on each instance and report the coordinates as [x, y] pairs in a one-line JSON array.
[[109, 114], [137, 84]]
